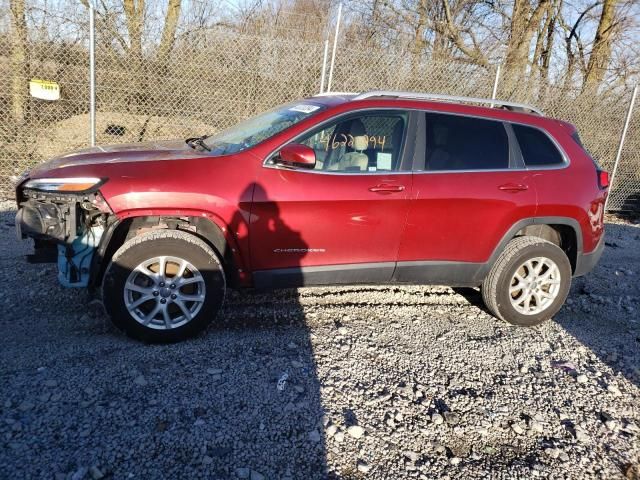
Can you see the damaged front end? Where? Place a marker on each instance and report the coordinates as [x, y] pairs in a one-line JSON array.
[[66, 221]]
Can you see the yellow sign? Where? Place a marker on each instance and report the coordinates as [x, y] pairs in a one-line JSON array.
[[44, 89]]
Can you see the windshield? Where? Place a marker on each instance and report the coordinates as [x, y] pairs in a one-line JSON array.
[[250, 132]]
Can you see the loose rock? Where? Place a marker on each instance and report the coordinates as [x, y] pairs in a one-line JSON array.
[[363, 466], [243, 472], [355, 431], [405, 356]]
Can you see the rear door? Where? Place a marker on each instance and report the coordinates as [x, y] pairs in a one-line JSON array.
[[470, 186], [342, 221]]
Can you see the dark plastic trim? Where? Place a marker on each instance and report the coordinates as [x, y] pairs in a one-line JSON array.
[[452, 274], [98, 264], [585, 262], [506, 238], [345, 274], [516, 160], [455, 274]]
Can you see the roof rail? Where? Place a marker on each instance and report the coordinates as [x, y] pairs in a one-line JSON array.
[[451, 98], [332, 94]]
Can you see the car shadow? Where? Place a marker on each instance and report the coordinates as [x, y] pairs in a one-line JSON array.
[[602, 310], [258, 372], [241, 400], [473, 296]]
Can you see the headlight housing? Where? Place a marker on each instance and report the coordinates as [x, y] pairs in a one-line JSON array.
[[71, 184]]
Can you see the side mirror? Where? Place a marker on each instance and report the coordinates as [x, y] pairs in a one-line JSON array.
[[296, 155]]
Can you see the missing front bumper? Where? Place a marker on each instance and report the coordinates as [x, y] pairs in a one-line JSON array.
[[70, 226]]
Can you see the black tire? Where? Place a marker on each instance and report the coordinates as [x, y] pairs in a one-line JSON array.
[[153, 244], [495, 288]]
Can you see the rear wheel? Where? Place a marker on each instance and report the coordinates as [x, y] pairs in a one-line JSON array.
[[163, 286], [529, 282]]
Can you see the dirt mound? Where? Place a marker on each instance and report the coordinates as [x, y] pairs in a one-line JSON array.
[[115, 127]]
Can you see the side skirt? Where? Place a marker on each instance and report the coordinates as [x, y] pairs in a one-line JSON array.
[[346, 274], [454, 274]]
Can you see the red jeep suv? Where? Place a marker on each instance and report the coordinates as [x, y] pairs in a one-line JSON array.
[[336, 189]]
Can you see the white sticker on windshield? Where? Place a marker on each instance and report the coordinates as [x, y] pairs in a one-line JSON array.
[[304, 108]]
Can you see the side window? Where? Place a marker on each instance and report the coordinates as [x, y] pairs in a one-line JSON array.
[[537, 148], [366, 143], [456, 142]]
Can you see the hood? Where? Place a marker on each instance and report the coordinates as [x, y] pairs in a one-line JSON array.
[[119, 153]]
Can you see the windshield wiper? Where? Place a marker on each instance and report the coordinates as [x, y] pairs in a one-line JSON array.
[[198, 142]]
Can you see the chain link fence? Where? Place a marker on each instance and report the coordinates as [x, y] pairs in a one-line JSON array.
[[215, 77]]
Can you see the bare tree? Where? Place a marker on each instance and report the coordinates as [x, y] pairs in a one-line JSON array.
[[545, 40], [525, 22], [169, 31], [451, 29], [134, 11], [602, 43]]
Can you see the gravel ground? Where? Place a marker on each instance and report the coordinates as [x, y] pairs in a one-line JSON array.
[[374, 382]]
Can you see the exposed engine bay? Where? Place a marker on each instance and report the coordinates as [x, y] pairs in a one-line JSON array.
[[66, 228]]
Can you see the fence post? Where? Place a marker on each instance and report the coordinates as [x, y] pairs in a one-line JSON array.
[[495, 85], [92, 75], [621, 144], [324, 65], [335, 44]]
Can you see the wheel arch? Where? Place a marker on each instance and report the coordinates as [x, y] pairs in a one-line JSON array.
[[215, 234], [564, 232], [562, 235]]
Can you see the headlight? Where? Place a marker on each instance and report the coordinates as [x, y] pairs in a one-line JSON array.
[[74, 184]]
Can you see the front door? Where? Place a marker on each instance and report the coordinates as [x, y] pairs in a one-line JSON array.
[[342, 221]]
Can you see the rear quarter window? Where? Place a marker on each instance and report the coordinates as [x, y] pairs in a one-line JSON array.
[[578, 140], [536, 147]]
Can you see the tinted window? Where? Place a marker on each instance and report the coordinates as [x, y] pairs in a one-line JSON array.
[[537, 148], [578, 140], [463, 143], [367, 143]]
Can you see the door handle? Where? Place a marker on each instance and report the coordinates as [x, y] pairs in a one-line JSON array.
[[386, 188], [513, 187]]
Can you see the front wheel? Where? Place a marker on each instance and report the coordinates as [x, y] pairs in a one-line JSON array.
[[529, 282], [163, 286]]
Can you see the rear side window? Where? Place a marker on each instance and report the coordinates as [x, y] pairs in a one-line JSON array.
[[578, 140], [465, 143], [536, 147]]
